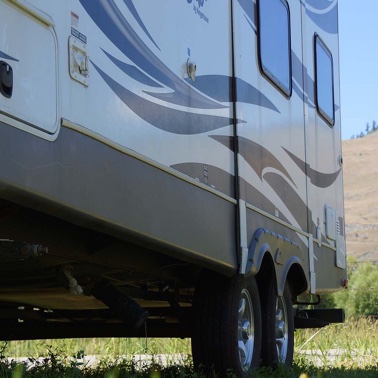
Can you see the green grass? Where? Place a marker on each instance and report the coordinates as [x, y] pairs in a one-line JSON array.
[[52, 367], [104, 347], [356, 342]]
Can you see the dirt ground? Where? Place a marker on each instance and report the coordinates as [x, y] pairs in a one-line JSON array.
[[361, 196]]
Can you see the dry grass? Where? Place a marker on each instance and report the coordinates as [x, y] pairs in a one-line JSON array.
[[361, 196]]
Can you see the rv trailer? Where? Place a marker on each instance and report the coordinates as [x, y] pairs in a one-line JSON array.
[[171, 169]]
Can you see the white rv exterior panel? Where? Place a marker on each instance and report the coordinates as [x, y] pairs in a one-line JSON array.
[[132, 82], [30, 46], [273, 123], [323, 139]]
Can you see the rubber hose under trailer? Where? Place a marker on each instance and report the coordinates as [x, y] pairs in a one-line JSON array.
[[237, 328]]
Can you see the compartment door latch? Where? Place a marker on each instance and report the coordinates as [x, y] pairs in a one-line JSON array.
[[79, 61]]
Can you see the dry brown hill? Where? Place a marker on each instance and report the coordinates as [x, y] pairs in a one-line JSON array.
[[361, 196]]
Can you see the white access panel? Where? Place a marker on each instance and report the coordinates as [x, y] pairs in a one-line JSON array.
[[29, 46], [330, 222]]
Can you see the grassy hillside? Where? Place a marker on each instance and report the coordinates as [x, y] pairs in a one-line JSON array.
[[361, 196]]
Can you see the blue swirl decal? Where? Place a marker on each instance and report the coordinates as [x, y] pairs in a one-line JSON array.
[[199, 2], [249, 8], [300, 75], [289, 197], [6, 56], [253, 26], [256, 156], [134, 12], [133, 72], [113, 24], [319, 5], [259, 158], [164, 118], [219, 87], [324, 13], [318, 179]]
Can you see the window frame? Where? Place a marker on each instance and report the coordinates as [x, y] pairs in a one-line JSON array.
[[287, 92], [322, 113]]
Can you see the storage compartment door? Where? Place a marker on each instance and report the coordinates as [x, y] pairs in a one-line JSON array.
[[29, 82]]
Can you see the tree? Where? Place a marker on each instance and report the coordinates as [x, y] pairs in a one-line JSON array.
[[367, 128]]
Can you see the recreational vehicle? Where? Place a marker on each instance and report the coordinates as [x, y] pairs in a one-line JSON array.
[[171, 169]]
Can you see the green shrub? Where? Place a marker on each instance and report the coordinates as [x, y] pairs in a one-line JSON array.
[[361, 298]]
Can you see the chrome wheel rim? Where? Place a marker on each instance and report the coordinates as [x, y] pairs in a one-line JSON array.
[[282, 329], [246, 334]]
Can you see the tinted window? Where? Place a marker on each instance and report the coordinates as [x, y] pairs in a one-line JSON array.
[[324, 81], [274, 42]]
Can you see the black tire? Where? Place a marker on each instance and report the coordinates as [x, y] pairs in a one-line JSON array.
[[227, 324], [277, 326]]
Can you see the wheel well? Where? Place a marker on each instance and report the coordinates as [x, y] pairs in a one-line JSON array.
[[295, 276], [297, 280], [266, 272]]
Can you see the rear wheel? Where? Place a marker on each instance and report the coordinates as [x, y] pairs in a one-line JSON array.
[[227, 324], [277, 326]]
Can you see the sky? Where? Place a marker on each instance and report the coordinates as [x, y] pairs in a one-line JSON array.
[[358, 42]]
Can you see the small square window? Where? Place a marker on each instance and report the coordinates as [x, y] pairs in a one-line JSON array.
[[324, 81], [274, 43]]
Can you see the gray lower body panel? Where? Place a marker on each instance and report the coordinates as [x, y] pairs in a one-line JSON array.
[[95, 186]]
